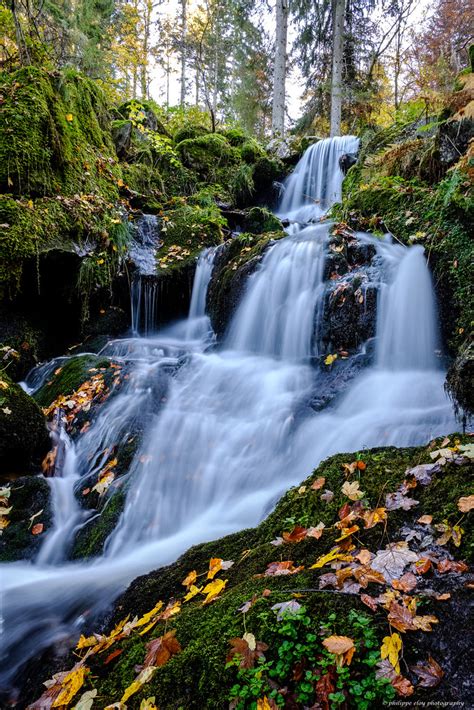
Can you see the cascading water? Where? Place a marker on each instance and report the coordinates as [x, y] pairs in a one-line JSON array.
[[144, 288], [227, 431], [316, 181]]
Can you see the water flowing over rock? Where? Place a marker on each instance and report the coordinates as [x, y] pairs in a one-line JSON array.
[[223, 432]]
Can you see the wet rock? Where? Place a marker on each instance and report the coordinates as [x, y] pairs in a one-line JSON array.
[[24, 438], [30, 505], [332, 381], [460, 380], [454, 137], [122, 137], [346, 161], [349, 314]]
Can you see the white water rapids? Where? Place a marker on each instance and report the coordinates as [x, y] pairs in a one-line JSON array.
[[227, 430]]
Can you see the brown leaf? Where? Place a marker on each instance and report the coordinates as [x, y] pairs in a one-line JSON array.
[[406, 583], [405, 620], [316, 532], [425, 520], [248, 656], [372, 517], [369, 601], [113, 655], [327, 496], [318, 483], [445, 566], [296, 535], [276, 569], [323, 688], [160, 650], [466, 504], [423, 565], [403, 686], [365, 575], [429, 672], [37, 529]]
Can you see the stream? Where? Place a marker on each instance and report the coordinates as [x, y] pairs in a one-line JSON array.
[[228, 429]]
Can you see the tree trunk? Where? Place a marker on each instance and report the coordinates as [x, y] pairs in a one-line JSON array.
[[279, 73], [183, 51], [337, 59]]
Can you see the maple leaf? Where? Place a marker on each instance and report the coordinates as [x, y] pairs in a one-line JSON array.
[[347, 532], [296, 535], [318, 483], [446, 565], [430, 672], [316, 532], [404, 619], [289, 608], [334, 554], [70, 684], [161, 649], [277, 569], [193, 591], [213, 589], [327, 496], [425, 520], [342, 647], [190, 579], [397, 500], [146, 618], [392, 561], [86, 700], [372, 517], [423, 565], [248, 649], [449, 532], [424, 472], [391, 647], [369, 601], [143, 677], [352, 490], [403, 686], [406, 583], [466, 504], [364, 575], [329, 359], [216, 564]]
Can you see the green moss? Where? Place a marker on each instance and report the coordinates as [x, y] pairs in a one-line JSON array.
[[69, 377], [266, 170], [259, 220], [251, 151], [207, 155], [242, 186], [23, 434], [235, 136], [187, 229], [189, 131], [29, 496], [90, 539], [196, 678]]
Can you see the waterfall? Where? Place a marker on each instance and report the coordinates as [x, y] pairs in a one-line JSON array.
[[407, 315], [227, 431], [144, 288], [283, 301], [316, 182]]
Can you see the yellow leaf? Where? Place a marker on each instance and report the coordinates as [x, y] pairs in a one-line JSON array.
[[146, 618], [69, 117], [139, 681], [215, 565], [71, 683], [193, 590], [30, 204], [335, 554], [342, 647], [263, 704], [148, 704], [85, 642], [330, 359], [190, 579], [391, 647], [213, 589]]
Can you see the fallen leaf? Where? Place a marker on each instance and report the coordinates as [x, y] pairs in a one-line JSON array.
[[316, 532], [193, 591], [143, 677], [352, 490], [37, 529], [277, 569], [425, 520], [466, 504], [404, 619], [318, 483], [372, 517], [429, 672], [449, 532], [406, 583], [342, 647], [113, 655], [423, 565], [392, 561], [190, 579], [161, 649], [369, 601], [329, 359], [391, 647], [71, 683], [403, 686], [69, 117], [296, 535], [445, 566], [327, 496], [397, 500], [240, 647], [334, 554], [213, 589], [86, 700]]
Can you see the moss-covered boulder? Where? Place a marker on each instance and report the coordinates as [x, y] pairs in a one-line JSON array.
[[196, 675], [207, 155], [460, 380], [23, 435], [69, 376], [29, 519]]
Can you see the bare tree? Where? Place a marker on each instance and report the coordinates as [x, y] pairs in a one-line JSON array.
[[339, 7], [279, 74], [183, 50]]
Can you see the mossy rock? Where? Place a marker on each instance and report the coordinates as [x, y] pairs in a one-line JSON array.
[[189, 131], [30, 500], [187, 229], [21, 344], [68, 377], [90, 539], [235, 136], [460, 380], [251, 151], [259, 220], [207, 155], [23, 435], [196, 678], [56, 135], [266, 170]]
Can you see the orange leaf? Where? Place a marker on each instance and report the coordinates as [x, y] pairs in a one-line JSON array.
[[190, 579], [276, 569], [37, 529], [296, 535], [318, 483], [160, 650]]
